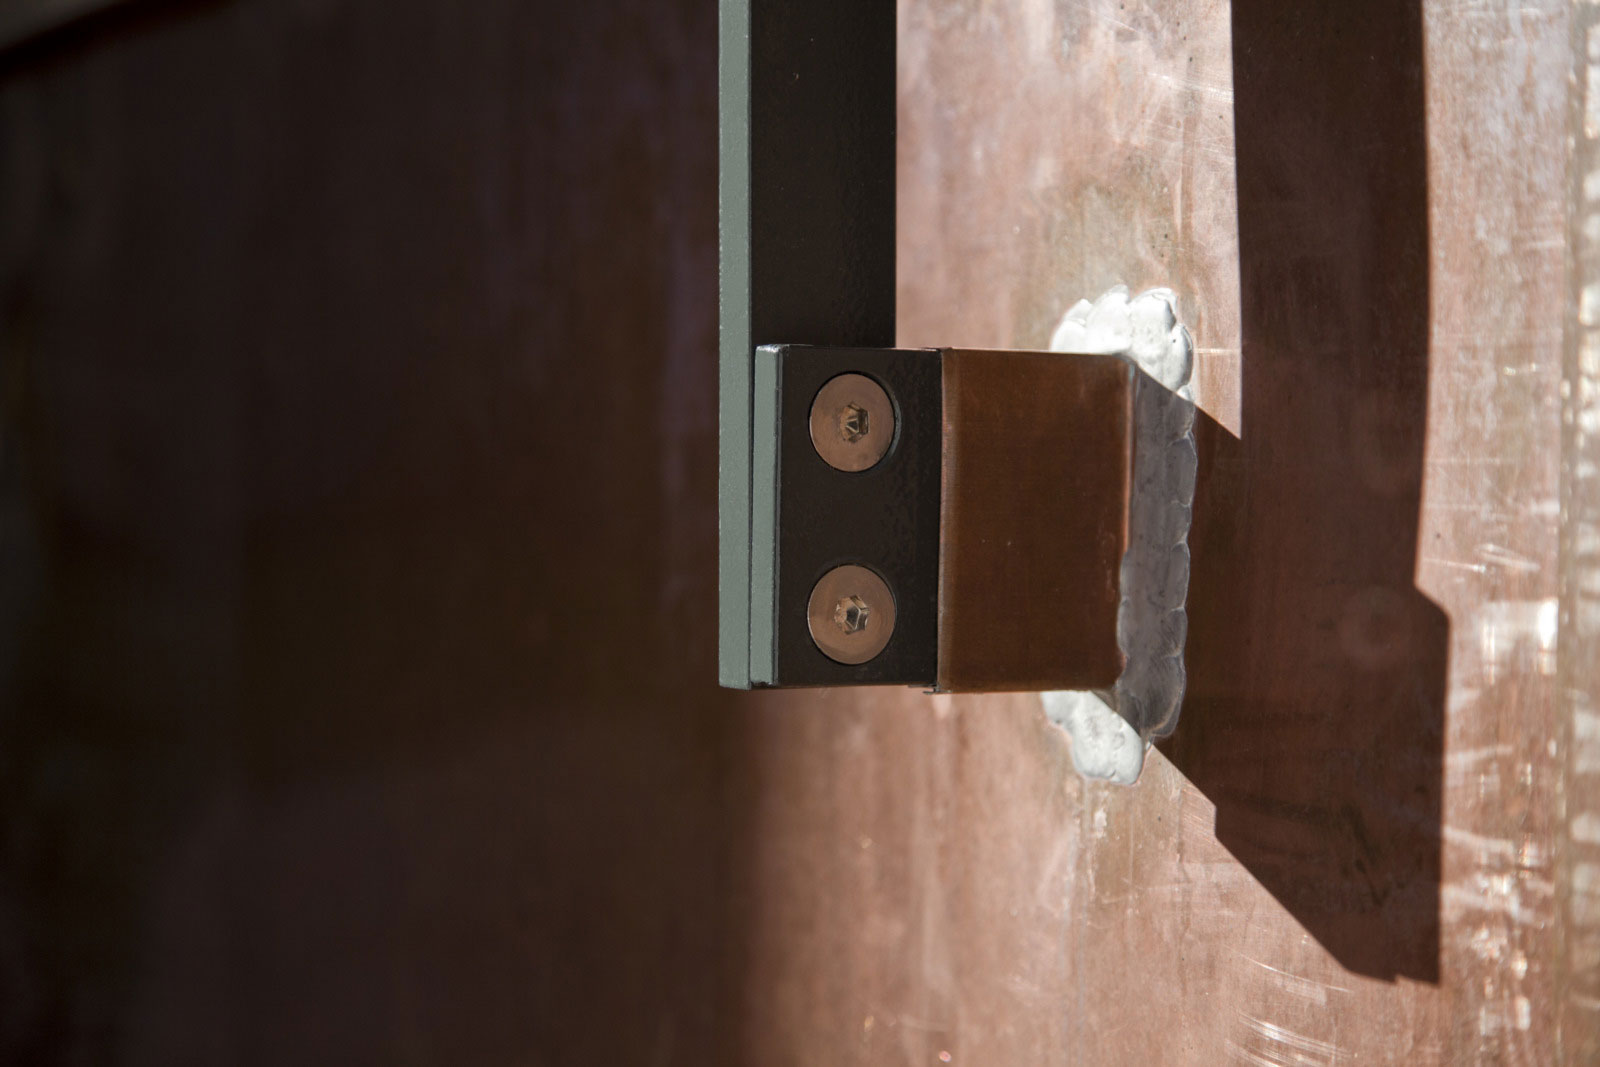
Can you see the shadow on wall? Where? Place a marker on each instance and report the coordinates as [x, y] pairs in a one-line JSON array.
[[1315, 714]]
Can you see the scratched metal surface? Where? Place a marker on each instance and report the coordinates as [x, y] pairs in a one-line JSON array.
[[1578, 871], [1348, 852], [312, 753]]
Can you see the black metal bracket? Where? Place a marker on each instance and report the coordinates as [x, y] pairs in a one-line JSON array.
[[819, 518], [944, 518], [807, 195]]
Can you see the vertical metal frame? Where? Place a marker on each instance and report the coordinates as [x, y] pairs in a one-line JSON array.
[[807, 215]]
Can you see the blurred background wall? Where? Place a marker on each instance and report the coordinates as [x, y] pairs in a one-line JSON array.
[[357, 463]]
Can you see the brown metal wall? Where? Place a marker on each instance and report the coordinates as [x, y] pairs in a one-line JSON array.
[[1352, 848], [1348, 851], [357, 529], [357, 524]]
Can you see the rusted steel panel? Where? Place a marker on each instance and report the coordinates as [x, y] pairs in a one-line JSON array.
[[24, 20], [358, 538], [403, 738], [1577, 859], [1346, 852]]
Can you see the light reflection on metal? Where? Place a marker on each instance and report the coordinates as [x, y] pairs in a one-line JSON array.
[[851, 614], [852, 423]]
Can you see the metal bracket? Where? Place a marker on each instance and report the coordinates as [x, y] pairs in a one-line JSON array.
[[979, 545], [954, 519]]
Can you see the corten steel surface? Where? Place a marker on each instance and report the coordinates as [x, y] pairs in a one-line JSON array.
[[22, 21], [311, 753], [1352, 849], [1577, 880], [1037, 466], [357, 540]]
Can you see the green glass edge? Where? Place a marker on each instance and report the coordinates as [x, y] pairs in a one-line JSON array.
[[764, 516], [735, 358]]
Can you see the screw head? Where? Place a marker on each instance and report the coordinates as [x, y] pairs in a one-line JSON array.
[[852, 422], [850, 615]]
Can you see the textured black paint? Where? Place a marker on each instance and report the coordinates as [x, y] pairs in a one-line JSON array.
[[822, 172], [886, 518], [807, 222]]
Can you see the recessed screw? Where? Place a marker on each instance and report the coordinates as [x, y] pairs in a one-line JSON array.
[[851, 615], [853, 423]]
